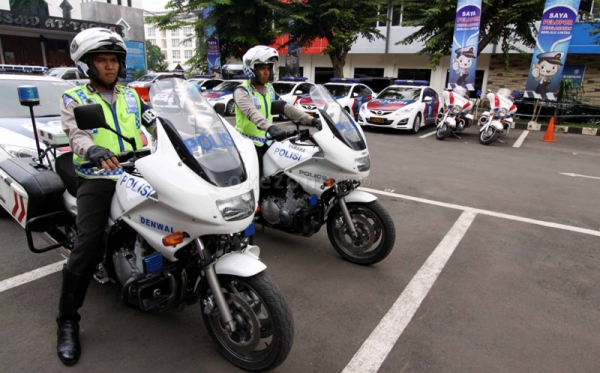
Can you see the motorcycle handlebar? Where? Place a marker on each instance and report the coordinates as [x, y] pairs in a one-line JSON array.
[[123, 158]]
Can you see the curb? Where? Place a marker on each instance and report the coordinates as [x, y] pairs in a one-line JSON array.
[[570, 130]]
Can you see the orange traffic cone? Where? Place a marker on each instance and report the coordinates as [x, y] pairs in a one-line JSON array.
[[549, 136]]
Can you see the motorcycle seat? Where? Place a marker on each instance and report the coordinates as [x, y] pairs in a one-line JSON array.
[[66, 171]]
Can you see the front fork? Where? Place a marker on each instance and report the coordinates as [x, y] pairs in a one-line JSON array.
[[215, 288], [349, 223]]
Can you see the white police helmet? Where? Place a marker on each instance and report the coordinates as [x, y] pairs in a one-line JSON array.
[[258, 55], [505, 92], [97, 40], [460, 90]]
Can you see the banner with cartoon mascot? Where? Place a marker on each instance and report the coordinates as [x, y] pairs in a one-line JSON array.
[[554, 36], [463, 59]]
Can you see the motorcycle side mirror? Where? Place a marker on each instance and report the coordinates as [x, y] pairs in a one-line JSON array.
[[427, 99], [220, 109], [277, 107], [89, 117]]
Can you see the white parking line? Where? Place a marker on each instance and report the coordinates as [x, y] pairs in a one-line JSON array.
[[521, 139], [373, 352], [31, 276], [427, 135], [486, 212]]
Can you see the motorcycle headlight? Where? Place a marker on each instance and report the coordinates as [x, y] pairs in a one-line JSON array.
[[19, 151], [363, 163], [456, 109], [502, 113], [405, 110], [237, 208]]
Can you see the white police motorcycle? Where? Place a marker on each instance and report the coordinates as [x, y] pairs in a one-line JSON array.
[[497, 122], [310, 180], [456, 116], [179, 227]]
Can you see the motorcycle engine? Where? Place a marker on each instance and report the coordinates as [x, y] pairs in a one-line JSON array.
[[128, 260], [281, 209]]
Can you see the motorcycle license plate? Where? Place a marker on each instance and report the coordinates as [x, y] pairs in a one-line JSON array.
[[378, 120]]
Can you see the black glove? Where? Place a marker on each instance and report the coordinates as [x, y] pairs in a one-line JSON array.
[[277, 133], [98, 154], [316, 122]]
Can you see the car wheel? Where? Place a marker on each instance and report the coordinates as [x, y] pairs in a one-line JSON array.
[[594, 121], [417, 123], [230, 109]]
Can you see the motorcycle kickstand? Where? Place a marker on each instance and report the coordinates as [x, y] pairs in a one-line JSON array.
[[504, 142], [455, 135]]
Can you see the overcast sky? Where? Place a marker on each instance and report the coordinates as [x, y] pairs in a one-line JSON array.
[[154, 5]]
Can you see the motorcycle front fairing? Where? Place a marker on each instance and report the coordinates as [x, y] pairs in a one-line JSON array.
[[344, 154], [201, 178]]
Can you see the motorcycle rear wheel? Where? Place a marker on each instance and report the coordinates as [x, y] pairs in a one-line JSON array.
[[488, 136], [377, 233], [264, 323], [442, 132]]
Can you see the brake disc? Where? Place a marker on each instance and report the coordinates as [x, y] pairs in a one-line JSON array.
[[246, 337], [366, 234]]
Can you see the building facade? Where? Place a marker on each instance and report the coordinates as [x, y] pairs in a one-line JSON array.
[[178, 46], [39, 33]]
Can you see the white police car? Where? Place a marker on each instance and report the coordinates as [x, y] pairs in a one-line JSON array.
[[290, 89], [406, 105], [350, 93], [223, 94], [205, 82]]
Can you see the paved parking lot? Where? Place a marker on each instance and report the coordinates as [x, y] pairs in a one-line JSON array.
[[495, 269]]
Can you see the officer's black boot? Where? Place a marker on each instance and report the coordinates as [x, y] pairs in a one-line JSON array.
[[72, 294]]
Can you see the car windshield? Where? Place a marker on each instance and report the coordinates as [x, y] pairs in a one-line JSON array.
[[338, 90], [400, 93], [146, 78], [50, 93], [227, 86], [283, 88], [199, 136], [339, 120], [55, 72]]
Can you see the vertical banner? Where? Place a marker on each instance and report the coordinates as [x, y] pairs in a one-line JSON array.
[[292, 61], [554, 36], [463, 60], [136, 58], [213, 54]]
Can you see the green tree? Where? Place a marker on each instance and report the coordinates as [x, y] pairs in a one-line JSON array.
[[340, 22], [240, 24], [503, 22], [155, 56]]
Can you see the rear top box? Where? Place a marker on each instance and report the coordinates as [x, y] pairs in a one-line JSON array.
[[28, 190]]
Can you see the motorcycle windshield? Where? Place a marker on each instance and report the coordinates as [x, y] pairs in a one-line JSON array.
[[339, 120], [197, 133]]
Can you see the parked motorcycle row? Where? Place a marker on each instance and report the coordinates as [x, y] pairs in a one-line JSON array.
[[182, 220], [457, 115]]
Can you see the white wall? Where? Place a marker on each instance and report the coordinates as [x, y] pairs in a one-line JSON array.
[[164, 40]]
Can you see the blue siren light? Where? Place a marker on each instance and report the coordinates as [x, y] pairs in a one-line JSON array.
[[153, 263], [249, 231], [411, 82]]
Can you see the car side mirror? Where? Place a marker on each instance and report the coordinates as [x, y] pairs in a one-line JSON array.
[[277, 107], [89, 117], [354, 94], [220, 109], [203, 89], [298, 92], [427, 99]]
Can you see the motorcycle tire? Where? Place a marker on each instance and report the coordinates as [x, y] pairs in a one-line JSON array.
[[264, 322], [486, 139], [371, 219], [442, 132]]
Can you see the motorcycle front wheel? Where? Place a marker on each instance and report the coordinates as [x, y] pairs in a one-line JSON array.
[[442, 132], [488, 135], [375, 228], [264, 324]]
